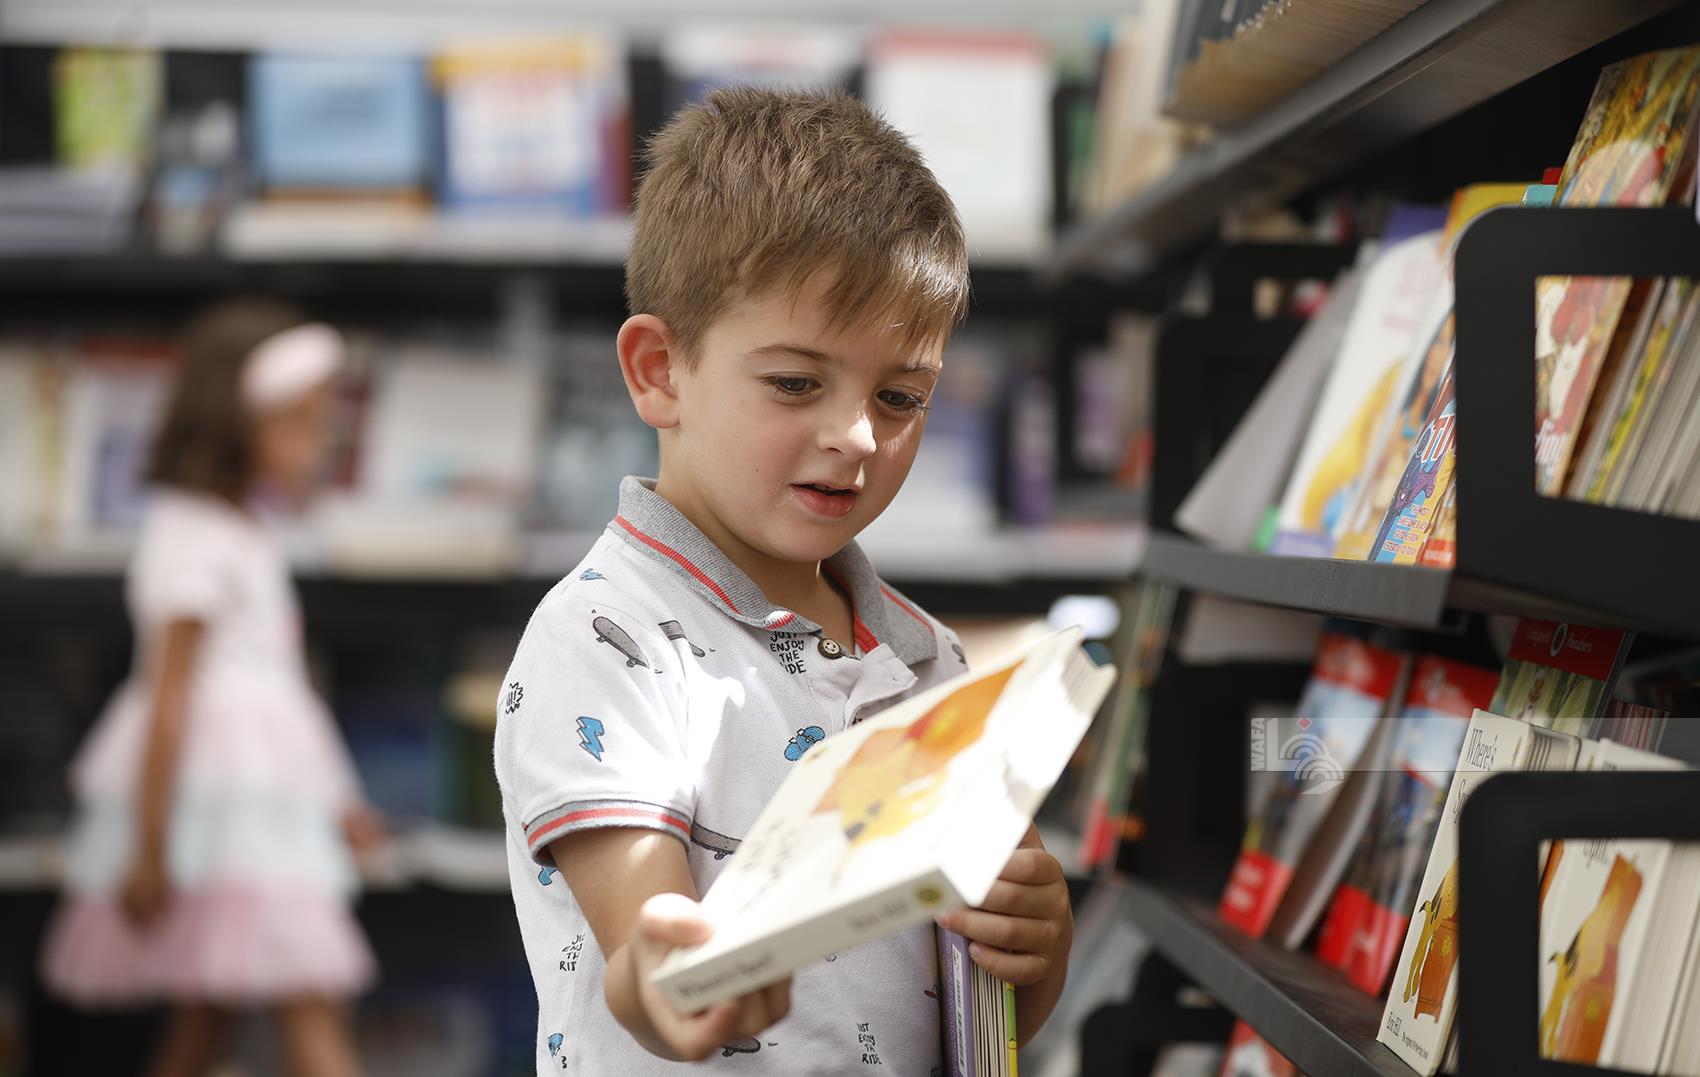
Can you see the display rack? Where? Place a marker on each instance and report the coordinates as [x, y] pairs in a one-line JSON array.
[[1518, 553], [1441, 59]]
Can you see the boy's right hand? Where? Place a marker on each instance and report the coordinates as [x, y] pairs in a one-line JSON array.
[[667, 921]]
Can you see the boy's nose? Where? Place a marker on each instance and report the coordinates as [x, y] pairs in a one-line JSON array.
[[853, 436]]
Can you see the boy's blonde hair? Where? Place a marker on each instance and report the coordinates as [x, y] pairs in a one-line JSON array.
[[753, 190]]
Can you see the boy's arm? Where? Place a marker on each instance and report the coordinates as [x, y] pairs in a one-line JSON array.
[[1023, 932], [636, 891]]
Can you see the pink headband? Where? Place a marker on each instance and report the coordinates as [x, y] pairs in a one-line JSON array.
[[283, 368]]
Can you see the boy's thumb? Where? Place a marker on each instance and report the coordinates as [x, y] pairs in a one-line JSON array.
[[672, 920]]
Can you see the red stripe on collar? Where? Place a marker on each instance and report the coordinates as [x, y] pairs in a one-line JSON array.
[[904, 606], [662, 548], [865, 638]]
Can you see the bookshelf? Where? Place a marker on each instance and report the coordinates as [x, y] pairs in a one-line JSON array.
[[1310, 1013], [1441, 59], [1518, 553]]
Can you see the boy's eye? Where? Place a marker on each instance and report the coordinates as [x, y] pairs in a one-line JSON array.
[[790, 385], [898, 400]]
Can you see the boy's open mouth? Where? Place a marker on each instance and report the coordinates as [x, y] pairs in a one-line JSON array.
[[825, 500]]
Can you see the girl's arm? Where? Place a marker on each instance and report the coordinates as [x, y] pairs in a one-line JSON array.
[[146, 888]]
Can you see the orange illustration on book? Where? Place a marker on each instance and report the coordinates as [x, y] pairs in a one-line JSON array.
[[895, 775], [1574, 1022], [1436, 954]]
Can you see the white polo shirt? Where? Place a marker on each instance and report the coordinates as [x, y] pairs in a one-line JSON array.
[[656, 687]]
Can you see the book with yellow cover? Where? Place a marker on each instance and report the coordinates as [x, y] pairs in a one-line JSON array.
[[1423, 1001], [1634, 141]]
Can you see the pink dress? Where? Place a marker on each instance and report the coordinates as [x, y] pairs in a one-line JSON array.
[[261, 877]]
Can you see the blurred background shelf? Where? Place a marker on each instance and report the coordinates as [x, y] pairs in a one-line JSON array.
[[431, 854], [1438, 61]]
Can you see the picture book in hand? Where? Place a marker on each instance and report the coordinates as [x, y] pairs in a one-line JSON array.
[[976, 1014], [904, 816], [1423, 1001]]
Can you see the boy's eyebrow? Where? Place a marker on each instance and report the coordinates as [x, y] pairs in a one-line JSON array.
[[913, 366]]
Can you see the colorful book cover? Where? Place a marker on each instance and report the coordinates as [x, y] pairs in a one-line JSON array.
[[1423, 1001], [1440, 549], [1348, 691], [1250, 1055], [1405, 425], [1324, 483], [1632, 143], [353, 123], [1596, 921], [1673, 324], [901, 817], [1617, 374], [105, 103], [1420, 380], [1557, 675], [1425, 482], [535, 125], [1367, 920]]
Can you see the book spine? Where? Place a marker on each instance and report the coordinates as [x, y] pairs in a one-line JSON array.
[[742, 970], [956, 1016], [1008, 991]]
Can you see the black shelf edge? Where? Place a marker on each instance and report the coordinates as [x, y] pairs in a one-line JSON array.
[[1403, 595], [1443, 58], [37, 287], [1308, 1012]]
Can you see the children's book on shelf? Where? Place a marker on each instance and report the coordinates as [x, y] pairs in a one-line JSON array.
[[905, 815], [1344, 703], [978, 107], [1644, 310], [1613, 933], [1634, 143], [1671, 334], [1422, 1003], [1118, 757], [105, 103], [976, 1014], [701, 58], [1370, 912], [1557, 675], [1419, 381], [1425, 483], [538, 125], [115, 393], [1325, 479], [1250, 1055], [339, 123], [1230, 502]]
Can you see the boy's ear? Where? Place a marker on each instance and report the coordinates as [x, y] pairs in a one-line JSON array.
[[649, 359]]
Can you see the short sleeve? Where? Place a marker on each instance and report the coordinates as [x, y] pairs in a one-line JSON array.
[[186, 563], [591, 726]]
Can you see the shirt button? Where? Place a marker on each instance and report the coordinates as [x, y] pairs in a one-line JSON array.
[[830, 648]]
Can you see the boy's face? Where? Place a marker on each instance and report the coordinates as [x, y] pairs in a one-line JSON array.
[[793, 437]]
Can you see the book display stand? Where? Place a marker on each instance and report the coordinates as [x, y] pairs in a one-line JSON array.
[[1518, 553]]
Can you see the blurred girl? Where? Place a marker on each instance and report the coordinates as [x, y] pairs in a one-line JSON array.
[[209, 865]]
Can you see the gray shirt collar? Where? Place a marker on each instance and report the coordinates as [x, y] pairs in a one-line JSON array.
[[651, 525]]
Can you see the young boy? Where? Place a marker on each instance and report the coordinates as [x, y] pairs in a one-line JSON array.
[[794, 274]]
